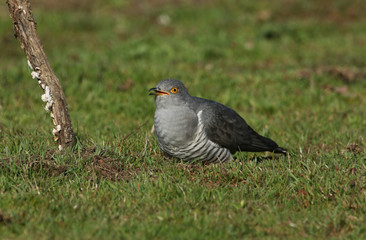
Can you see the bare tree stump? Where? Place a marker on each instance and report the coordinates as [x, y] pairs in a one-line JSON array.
[[25, 30]]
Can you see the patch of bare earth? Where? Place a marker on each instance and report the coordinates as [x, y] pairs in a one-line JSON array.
[[348, 75], [111, 168], [103, 166], [324, 11], [355, 148], [114, 169], [4, 219]]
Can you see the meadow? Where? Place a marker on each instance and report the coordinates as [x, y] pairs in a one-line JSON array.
[[295, 70]]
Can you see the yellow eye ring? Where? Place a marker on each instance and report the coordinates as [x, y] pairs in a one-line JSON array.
[[174, 90]]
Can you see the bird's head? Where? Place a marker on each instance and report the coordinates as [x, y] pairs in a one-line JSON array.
[[169, 92]]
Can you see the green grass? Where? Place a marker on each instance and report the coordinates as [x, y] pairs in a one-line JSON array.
[[294, 70]]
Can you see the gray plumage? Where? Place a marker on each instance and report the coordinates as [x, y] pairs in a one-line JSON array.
[[191, 128]]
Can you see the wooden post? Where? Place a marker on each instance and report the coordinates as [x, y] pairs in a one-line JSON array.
[[25, 30]]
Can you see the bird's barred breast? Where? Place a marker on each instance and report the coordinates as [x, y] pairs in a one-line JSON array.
[[184, 137]]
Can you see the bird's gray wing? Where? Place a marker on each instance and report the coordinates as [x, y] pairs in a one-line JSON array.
[[226, 128]]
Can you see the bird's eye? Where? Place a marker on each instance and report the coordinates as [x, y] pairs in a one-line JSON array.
[[174, 90]]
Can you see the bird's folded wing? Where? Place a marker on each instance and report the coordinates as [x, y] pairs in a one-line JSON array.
[[226, 128]]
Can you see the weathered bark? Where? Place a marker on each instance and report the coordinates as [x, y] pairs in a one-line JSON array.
[[25, 30]]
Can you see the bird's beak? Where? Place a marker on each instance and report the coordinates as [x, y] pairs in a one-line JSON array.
[[157, 92]]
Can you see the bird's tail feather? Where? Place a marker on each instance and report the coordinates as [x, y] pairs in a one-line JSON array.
[[265, 144], [281, 150]]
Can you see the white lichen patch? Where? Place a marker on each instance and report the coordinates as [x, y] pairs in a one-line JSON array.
[[29, 65], [35, 75], [46, 97], [20, 7], [56, 130], [48, 106], [60, 148]]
